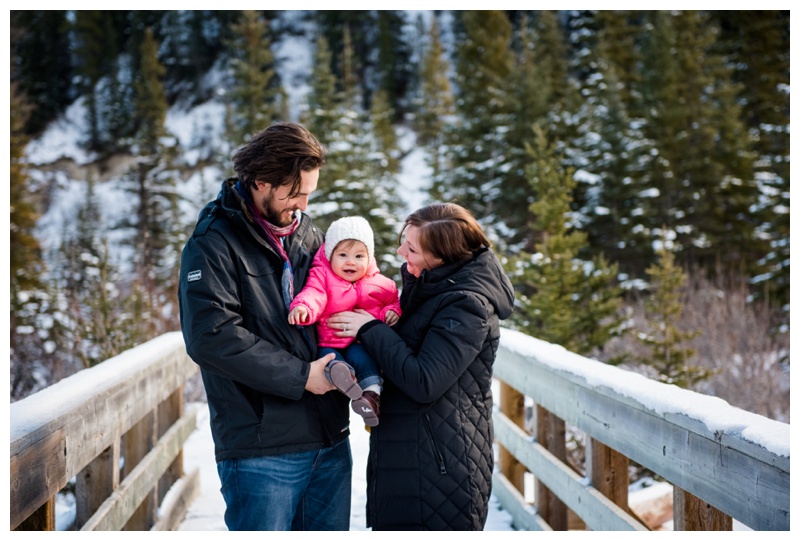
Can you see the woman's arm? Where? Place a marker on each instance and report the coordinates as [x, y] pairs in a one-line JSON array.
[[451, 342]]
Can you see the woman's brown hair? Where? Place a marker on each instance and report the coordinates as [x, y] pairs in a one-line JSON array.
[[447, 231]]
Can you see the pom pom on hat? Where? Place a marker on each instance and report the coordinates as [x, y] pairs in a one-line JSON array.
[[349, 227]]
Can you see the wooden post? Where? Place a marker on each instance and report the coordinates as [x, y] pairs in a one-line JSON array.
[[43, 519], [551, 434], [169, 411], [37, 473], [690, 513], [608, 472], [512, 404], [96, 482], [138, 441]]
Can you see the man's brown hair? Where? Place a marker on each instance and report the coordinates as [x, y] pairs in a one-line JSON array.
[[447, 231], [277, 156]]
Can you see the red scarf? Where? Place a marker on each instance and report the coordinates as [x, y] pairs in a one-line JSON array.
[[273, 234]]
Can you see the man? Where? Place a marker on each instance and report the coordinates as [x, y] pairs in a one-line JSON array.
[[280, 438]]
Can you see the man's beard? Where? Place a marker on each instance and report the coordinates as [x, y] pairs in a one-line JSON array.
[[274, 216]]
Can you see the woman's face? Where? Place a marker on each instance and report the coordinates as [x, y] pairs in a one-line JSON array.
[[418, 259]]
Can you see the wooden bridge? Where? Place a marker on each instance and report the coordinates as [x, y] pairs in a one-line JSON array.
[[116, 431]]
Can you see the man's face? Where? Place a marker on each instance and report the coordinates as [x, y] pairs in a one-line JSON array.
[[275, 204]]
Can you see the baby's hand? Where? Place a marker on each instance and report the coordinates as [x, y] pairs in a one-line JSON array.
[[391, 317], [298, 315]]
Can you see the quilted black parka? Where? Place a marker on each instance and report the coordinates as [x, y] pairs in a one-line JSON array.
[[430, 461]]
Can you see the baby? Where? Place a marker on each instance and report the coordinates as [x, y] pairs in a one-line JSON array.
[[345, 276]]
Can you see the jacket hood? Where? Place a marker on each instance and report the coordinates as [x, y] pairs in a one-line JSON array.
[[483, 274]]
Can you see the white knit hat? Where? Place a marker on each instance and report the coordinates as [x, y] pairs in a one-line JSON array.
[[349, 227]]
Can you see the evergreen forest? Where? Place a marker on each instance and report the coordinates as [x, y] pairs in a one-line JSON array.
[[630, 167]]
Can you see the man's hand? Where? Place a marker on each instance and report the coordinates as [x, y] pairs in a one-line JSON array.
[[317, 382], [298, 315]]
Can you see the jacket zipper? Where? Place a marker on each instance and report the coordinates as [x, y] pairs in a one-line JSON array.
[[442, 468]]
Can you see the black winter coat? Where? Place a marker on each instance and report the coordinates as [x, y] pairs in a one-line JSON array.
[[254, 364], [430, 461]]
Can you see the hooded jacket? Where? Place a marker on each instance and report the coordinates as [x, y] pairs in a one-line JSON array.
[[430, 461], [325, 293], [254, 364]]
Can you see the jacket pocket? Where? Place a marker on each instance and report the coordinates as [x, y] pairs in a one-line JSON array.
[[435, 448], [259, 287], [256, 265]]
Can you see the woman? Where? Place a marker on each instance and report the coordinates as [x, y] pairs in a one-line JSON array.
[[430, 460]]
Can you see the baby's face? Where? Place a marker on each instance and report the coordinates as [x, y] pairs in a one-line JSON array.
[[350, 260]]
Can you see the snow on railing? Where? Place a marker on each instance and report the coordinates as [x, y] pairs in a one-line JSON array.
[[118, 430], [724, 463]]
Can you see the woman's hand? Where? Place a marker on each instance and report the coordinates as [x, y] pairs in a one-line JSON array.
[[349, 323]]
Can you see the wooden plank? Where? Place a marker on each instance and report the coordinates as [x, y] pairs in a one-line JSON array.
[[608, 472], [139, 440], [96, 482], [551, 434], [524, 515], [722, 469], [690, 513], [37, 474], [115, 511], [173, 508], [596, 510], [169, 411], [512, 404]]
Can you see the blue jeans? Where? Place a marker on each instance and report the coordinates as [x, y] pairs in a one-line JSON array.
[[360, 362], [309, 490]]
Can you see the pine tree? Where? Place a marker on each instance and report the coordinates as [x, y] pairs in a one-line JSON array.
[[703, 171], [564, 300], [551, 54], [322, 114], [41, 63], [255, 95], [670, 355], [25, 263], [89, 283], [385, 143], [114, 101], [158, 230], [358, 179], [758, 44], [620, 33], [95, 51], [38, 328], [609, 152], [393, 67], [435, 107], [352, 32], [531, 104], [151, 101], [484, 105]]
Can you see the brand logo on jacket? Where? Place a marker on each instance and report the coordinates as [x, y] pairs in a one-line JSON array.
[[194, 276]]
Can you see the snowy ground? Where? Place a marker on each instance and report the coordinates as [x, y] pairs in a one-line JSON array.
[[206, 512]]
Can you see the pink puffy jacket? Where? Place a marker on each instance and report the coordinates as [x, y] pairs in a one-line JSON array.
[[325, 294]]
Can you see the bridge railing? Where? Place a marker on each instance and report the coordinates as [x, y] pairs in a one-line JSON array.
[[117, 429], [723, 463]]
